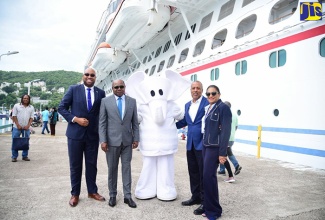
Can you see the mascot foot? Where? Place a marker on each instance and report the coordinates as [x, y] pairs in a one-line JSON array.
[[145, 197], [167, 198]]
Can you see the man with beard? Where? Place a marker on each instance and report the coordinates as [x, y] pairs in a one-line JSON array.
[[80, 107]]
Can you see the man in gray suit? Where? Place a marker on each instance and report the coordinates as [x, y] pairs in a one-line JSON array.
[[118, 135]]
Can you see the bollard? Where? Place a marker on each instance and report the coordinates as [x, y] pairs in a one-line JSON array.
[[259, 141]]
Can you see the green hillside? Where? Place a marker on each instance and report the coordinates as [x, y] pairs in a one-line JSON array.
[[53, 79], [58, 78]]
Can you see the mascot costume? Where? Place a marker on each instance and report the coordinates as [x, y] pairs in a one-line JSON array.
[[157, 112]]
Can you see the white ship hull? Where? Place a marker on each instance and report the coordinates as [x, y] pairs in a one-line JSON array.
[[286, 100]]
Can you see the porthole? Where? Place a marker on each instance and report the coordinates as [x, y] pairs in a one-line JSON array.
[[276, 112], [238, 112]]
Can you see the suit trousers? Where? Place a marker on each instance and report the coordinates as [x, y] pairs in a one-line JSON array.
[[112, 157], [211, 204], [195, 171], [76, 150]]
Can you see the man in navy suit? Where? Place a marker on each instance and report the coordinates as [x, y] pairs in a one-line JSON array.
[[194, 111], [80, 107]]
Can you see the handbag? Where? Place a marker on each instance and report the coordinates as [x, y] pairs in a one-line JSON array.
[[20, 143]]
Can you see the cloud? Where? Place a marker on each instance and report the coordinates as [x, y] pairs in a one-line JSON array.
[[49, 35]]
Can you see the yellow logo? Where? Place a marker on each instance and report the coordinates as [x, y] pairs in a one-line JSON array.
[[310, 11]]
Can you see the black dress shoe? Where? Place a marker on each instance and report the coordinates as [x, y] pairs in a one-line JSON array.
[[199, 211], [130, 202], [112, 201], [191, 202]]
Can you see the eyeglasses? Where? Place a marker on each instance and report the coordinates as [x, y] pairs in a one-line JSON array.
[[117, 87], [89, 74], [211, 93]]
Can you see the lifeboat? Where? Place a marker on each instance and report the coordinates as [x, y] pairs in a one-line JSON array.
[[107, 59], [135, 23]]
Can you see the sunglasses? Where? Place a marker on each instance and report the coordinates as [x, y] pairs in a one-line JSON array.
[[211, 93], [89, 74], [117, 87]]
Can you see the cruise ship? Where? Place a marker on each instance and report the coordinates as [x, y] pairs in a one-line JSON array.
[[266, 56]]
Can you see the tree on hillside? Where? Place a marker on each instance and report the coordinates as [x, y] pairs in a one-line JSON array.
[[9, 89]]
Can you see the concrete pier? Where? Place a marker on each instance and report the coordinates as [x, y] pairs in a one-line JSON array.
[[40, 189]]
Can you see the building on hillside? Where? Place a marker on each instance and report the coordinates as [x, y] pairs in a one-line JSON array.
[[61, 90], [3, 92], [18, 84], [39, 84], [4, 84]]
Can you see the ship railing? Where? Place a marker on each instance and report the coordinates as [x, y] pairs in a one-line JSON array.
[[263, 130], [284, 17]]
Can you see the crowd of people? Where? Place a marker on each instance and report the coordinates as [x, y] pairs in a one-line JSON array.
[[114, 124]]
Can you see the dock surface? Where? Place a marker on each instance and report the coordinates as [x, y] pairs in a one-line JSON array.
[[40, 188]]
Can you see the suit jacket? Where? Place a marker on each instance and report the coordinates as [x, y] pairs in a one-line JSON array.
[[218, 127], [194, 133], [74, 103], [114, 130]]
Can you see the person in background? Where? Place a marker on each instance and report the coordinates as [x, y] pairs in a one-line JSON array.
[[216, 133], [231, 156], [45, 119], [194, 112], [80, 108], [12, 122], [22, 116], [118, 135], [54, 117]]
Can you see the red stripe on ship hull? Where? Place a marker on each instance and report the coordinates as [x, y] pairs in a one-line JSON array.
[[279, 43]]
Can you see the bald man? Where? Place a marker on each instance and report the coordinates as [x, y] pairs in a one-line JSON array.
[[80, 107]]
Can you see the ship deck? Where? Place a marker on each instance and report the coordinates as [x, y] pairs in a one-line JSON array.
[[40, 189]]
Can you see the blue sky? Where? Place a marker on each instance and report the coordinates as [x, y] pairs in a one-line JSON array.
[[49, 34]]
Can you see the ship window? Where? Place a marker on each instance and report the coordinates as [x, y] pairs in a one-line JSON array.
[[150, 56], [272, 60], [161, 66], [282, 10], [167, 45], [158, 52], [226, 9], [214, 75], [205, 22], [219, 39], [171, 61], [282, 57], [178, 39], [138, 65], [322, 48], [199, 48], [144, 60], [278, 58], [246, 2], [246, 26], [194, 78], [188, 34], [152, 70], [146, 71], [183, 55], [241, 67]]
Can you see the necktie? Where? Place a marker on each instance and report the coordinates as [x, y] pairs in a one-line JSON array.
[[119, 106], [89, 99]]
